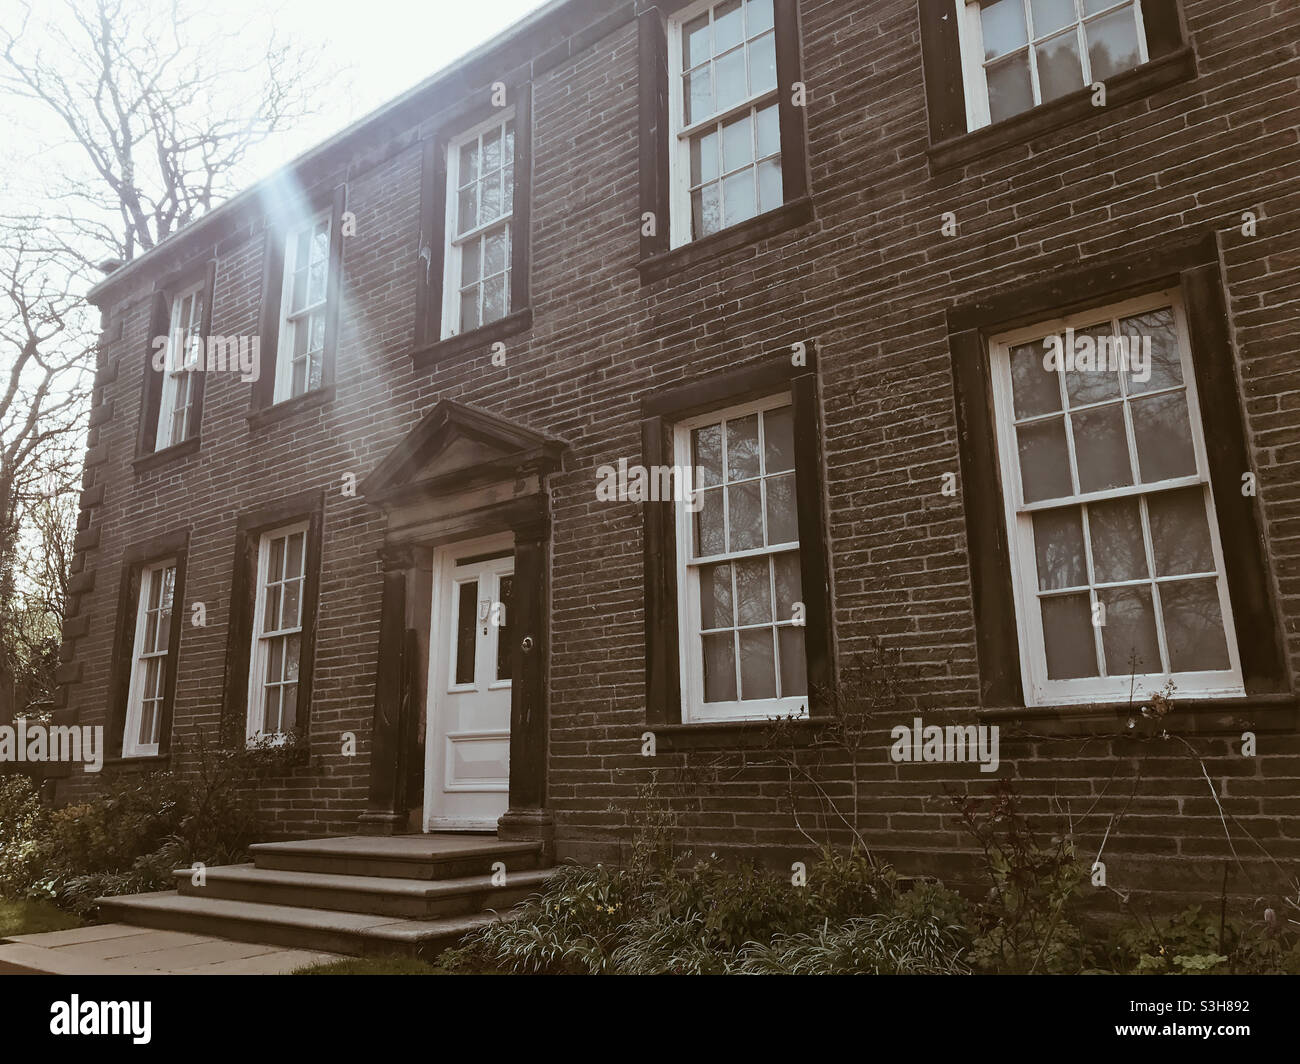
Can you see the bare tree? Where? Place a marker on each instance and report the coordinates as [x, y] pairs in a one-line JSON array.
[[165, 109]]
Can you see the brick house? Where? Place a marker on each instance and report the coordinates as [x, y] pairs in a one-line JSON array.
[[804, 254]]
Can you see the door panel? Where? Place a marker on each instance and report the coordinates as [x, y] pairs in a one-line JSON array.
[[469, 689]]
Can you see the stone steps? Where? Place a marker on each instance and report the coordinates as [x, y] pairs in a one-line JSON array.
[[365, 895], [416, 899]]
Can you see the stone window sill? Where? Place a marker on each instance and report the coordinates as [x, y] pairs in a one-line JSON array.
[[1217, 716], [272, 415], [1068, 110], [157, 459], [667, 263], [731, 734], [480, 339]]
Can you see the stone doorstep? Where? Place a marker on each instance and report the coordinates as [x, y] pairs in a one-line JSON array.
[[393, 896], [314, 929]]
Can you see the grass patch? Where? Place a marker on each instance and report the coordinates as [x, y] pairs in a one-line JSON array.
[[32, 918]]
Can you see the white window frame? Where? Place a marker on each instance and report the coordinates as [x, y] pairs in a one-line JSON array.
[[256, 723], [453, 243], [680, 135], [291, 320], [151, 576], [1038, 689], [183, 359], [691, 654], [970, 31]]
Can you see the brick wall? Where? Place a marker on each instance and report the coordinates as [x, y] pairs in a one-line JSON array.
[[869, 280]]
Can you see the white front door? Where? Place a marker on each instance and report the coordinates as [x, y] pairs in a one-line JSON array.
[[468, 774]]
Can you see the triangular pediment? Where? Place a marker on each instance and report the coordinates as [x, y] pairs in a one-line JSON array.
[[458, 444]]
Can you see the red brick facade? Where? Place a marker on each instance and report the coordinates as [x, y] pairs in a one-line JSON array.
[[869, 283]]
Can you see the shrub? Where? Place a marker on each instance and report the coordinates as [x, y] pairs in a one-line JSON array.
[[23, 822]]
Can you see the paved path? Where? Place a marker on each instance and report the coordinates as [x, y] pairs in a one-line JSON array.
[[122, 949]]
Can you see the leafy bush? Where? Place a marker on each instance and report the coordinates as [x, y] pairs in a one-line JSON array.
[[1195, 943], [130, 835], [706, 918]]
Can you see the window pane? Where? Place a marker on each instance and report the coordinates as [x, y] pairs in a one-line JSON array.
[[794, 664], [729, 71], [288, 707], [782, 512], [1180, 533], [1036, 389], [762, 64], [753, 591], [467, 216], [709, 536], [704, 158], [1096, 378], [292, 613], [298, 384], [698, 95], [1058, 545], [466, 624], [789, 586], [274, 661], [271, 616], [715, 596], [739, 199], [1003, 23], [1060, 71], [771, 193], [707, 448], [495, 250], [1164, 437], [1010, 89], [757, 667], [742, 447], [508, 188], [468, 163], [1129, 634], [494, 299], [503, 630], [719, 668], [1051, 15], [728, 26], [1101, 447], [1194, 626], [1113, 44], [470, 263], [1118, 551], [758, 16], [292, 650], [769, 131], [695, 41], [745, 516], [1067, 633], [737, 143], [491, 150], [489, 207], [1165, 369], [469, 309], [778, 440], [706, 210], [1044, 461]]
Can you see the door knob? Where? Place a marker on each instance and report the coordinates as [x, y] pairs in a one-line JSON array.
[[526, 643]]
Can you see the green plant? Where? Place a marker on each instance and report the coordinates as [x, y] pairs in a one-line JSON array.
[[1024, 923]]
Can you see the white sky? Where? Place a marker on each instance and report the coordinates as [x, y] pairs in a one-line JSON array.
[[389, 46]]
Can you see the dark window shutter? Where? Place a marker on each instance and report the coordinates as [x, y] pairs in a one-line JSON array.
[[521, 235], [997, 642], [1164, 27], [428, 252], [652, 97], [663, 686], [128, 602], [941, 62], [269, 317], [794, 146], [151, 392], [1240, 528], [814, 548], [333, 286]]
